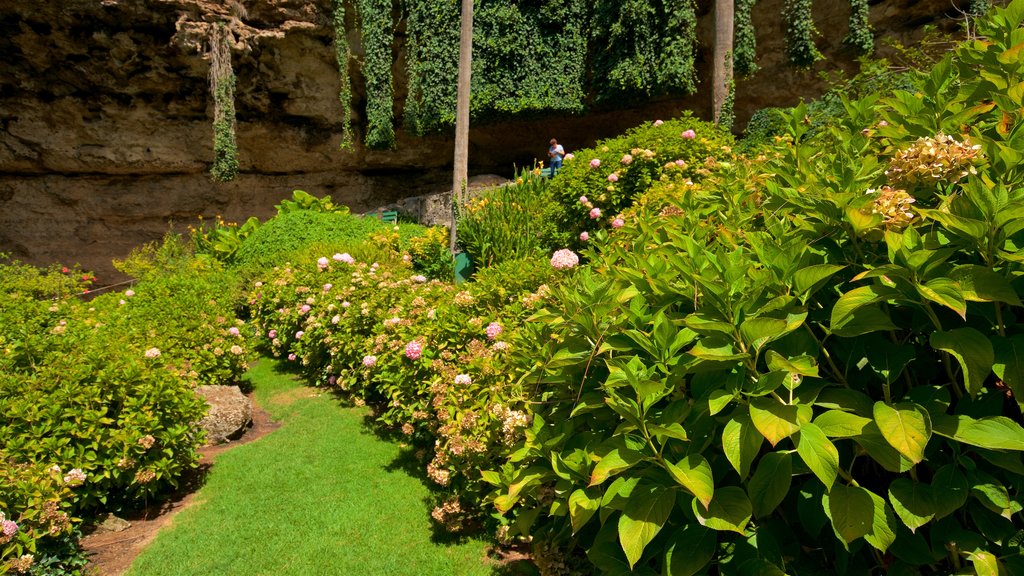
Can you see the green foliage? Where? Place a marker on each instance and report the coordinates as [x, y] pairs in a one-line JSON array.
[[302, 200], [377, 28], [744, 40], [727, 116], [453, 393], [815, 350], [534, 56], [98, 397], [860, 37], [512, 222], [764, 125], [634, 161], [430, 254], [343, 54], [800, 33], [219, 240], [171, 254], [225, 150], [277, 239]]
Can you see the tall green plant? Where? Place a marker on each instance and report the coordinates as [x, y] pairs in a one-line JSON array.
[[343, 54], [378, 34], [800, 33], [745, 42], [860, 37], [222, 86]]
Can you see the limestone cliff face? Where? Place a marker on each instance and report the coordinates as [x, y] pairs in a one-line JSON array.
[[106, 116]]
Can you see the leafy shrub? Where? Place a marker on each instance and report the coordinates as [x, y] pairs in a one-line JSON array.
[[280, 237], [814, 352], [432, 358], [617, 170], [510, 222], [430, 253]]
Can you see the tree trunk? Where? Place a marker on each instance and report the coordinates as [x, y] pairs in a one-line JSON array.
[[461, 169], [722, 56]]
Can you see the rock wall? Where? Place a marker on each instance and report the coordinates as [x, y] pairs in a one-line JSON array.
[[106, 116]]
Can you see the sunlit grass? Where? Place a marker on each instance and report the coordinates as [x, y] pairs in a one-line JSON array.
[[321, 495]]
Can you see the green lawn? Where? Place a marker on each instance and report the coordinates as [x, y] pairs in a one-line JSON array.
[[320, 496]]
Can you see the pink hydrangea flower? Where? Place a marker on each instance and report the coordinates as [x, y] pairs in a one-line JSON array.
[[627, 159], [413, 350], [153, 353], [584, 200], [568, 156], [689, 134], [129, 293], [463, 380], [419, 278], [345, 258], [618, 223], [595, 213], [327, 287], [369, 361], [272, 334], [305, 308], [346, 304], [8, 527], [500, 346], [493, 329], [322, 262], [336, 319], [595, 163], [74, 477], [564, 258], [299, 334], [658, 122], [584, 236], [613, 177], [233, 331], [292, 357], [406, 258]]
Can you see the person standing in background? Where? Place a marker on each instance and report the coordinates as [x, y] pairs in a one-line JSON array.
[[555, 153]]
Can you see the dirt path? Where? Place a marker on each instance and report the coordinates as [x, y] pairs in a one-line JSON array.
[[112, 553]]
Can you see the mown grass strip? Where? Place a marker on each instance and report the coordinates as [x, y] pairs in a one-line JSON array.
[[321, 495]]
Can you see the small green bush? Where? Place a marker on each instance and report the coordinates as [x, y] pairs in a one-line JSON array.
[[613, 173], [511, 222], [282, 236]]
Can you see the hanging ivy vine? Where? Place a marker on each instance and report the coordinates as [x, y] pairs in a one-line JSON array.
[[860, 37], [378, 34], [676, 70], [979, 8], [800, 33], [744, 41], [222, 86], [343, 54]]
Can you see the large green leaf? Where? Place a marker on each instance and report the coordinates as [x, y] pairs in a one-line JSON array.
[[612, 463], [818, 452], [694, 474], [583, 504], [757, 332], [951, 488], [864, 320], [689, 550], [773, 419], [945, 292], [851, 510], [839, 424], [741, 442], [972, 350], [981, 284], [992, 432], [644, 516], [850, 302], [770, 483], [883, 524], [913, 502], [811, 278], [1009, 364], [906, 427], [881, 451], [730, 510], [985, 563]]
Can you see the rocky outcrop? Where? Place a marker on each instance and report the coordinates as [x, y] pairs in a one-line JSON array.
[[229, 415], [106, 116]]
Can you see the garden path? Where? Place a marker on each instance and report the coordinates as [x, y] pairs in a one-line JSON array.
[[320, 496]]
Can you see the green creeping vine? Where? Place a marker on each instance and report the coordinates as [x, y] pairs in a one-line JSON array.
[[727, 117], [378, 35], [222, 85], [535, 56], [860, 37], [744, 42], [343, 53], [800, 33]]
